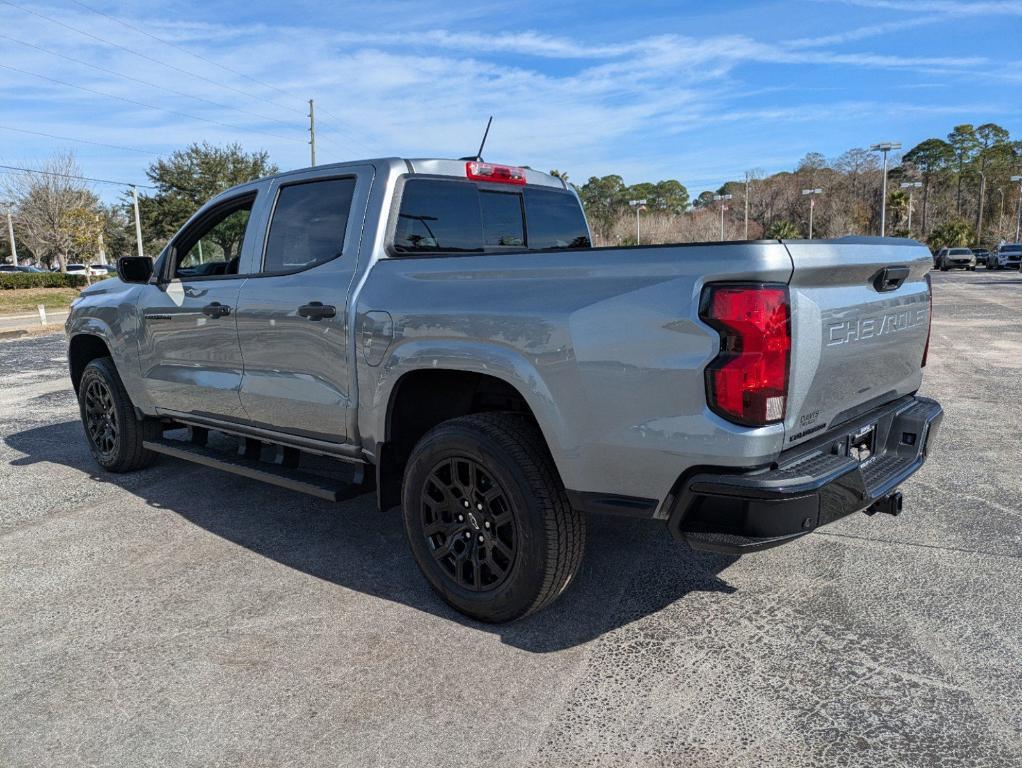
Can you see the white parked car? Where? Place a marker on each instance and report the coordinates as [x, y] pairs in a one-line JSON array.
[[1007, 256], [81, 269]]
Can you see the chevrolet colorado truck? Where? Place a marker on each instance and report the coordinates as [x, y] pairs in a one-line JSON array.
[[443, 333]]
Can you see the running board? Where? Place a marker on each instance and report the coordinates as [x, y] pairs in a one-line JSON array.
[[254, 469]]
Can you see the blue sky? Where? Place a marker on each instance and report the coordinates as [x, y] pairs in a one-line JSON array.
[[700, 92]]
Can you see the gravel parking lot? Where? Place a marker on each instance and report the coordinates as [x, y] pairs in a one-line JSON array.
[[184, 617]]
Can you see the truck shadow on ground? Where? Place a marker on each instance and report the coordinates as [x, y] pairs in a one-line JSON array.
[[631, 568]]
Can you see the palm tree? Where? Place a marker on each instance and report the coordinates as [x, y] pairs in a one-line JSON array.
[[955, 232], [783, 230]]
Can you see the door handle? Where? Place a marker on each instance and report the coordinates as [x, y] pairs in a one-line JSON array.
[[216, 309], [316, 310]]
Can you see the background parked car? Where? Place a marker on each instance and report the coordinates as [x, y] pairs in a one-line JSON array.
[[1007, 256], [982, 255], [950, 258], [19, 268], [81, 269]]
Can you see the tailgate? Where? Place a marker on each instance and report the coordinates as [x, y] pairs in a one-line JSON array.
[[857, 341]]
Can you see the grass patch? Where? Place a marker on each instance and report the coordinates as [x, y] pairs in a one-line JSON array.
[[24, 300]]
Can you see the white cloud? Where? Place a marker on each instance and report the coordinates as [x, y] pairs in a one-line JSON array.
[[423, 87]]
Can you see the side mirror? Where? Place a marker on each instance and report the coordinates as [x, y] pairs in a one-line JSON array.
[[135, 269]]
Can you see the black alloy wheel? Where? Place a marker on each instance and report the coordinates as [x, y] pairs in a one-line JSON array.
[[115, 432], [487, 518], [101, 417], [468, 524]]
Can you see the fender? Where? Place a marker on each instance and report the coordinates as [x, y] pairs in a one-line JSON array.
[[117, 325]]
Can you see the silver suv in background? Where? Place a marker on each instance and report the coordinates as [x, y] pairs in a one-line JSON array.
[[950, 258], [1007, 256]]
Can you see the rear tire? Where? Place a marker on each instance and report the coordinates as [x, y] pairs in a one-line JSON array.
[[518, 543], [112, 430]]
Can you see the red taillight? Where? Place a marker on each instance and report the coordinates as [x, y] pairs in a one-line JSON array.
[[748, 381], [929, 320], [497, 174]]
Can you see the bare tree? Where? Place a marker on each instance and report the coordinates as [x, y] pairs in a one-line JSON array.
[[51, 207]]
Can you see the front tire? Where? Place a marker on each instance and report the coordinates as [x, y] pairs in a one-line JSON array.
[[487, 517], [112, 430]]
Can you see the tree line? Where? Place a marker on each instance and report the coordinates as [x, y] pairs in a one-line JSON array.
[[964, 197]]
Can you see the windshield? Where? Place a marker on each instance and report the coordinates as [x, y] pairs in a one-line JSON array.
[[960, 252], [1011, 249]]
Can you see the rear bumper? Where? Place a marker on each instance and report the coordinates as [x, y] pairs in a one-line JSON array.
[[811, 486]]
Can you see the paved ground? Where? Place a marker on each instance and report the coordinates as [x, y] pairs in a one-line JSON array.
[[183, 617]]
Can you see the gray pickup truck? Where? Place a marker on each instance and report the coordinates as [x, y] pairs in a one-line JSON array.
[[443, 333]]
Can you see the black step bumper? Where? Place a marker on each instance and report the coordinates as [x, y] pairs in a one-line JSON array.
[[811, 486]]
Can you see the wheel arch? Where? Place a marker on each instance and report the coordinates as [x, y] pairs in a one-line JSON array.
[[82, 349], [421, 398]]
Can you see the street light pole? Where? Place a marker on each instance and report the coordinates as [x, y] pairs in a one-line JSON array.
[[748, 183], [10, 233], [911, 186], [979, 213], [312, 132], [723, 208], [884, 147], [1018, 208], [637, 205], [812, 206]]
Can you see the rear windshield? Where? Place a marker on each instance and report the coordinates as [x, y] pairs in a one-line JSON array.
[[438, 216]]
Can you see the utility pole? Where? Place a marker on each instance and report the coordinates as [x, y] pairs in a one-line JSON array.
[[638, 206], [884, 147], [10, 233], [748, 183], [312, 131], [1018, 208], [723, 207], [812, 206], [138, 221], [910, 186]]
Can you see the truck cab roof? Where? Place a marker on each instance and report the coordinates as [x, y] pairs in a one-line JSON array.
[[427, 166]]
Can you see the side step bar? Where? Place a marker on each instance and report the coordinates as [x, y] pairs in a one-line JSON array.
[[275, 474]]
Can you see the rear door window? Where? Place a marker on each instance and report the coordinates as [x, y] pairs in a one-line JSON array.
[[308, 224]]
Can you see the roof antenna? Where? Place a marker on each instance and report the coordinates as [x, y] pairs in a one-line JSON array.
[[479, 155]]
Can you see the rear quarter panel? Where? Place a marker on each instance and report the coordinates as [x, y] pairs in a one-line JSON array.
[[605, 345]]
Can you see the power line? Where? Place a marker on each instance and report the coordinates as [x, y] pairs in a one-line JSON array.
[[137, 53], [181, 48], [144, 82], [148, 106], [79, 141], [341, 125], [72, 176]]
